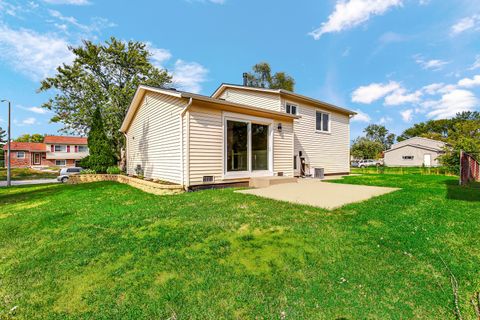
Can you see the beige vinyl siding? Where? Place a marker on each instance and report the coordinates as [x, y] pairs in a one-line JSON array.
[[153, 138], [206, 146], [283, 149], [270, 101], [330, 151]]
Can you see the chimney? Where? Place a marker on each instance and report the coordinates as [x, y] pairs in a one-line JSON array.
[[245, 79]]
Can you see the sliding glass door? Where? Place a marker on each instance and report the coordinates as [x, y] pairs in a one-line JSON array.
[[247, 146]]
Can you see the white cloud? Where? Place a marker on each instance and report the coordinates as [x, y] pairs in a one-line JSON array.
[[159, 55], [400, 96], [470, 83], [96, 25], [70, 2], [476, 64], [36, 55], [434, 64], [433, 88], [189, 76], [407, 115], [451, 103], [465, 24], [35, 109], [385, 120], [361, 116], [29, 121], [373, 92], [351, 13]]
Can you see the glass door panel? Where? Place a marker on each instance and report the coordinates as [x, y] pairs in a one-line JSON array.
[[259, 147], [237, 146]]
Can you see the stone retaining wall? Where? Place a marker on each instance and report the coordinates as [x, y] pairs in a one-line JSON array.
[[147, 186]]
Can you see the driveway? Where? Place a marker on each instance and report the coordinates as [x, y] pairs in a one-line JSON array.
[[319, 194], [26, 182]]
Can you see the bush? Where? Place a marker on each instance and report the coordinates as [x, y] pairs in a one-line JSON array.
[[114, 170], [88, 171]]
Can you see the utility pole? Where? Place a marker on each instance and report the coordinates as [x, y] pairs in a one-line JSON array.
[[9, 182]]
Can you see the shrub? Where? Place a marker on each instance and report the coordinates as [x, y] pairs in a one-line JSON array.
[[88, 171], [102, 154], [114, 170]]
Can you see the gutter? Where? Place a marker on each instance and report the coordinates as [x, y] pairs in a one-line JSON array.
[[182, 114]]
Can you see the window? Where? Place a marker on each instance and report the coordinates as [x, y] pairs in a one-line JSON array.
[[21, 154], [82, 148], [73, 170], [322, 121], [291, 108], [61, 163], [60, 148], [407, 157]]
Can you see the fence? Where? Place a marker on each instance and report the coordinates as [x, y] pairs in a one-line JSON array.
[[469, 168]]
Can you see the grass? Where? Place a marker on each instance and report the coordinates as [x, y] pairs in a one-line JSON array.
[[402, 170], [26, 174], [106, 250]]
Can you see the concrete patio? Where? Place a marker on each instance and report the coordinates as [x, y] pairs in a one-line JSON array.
[[317, 193]]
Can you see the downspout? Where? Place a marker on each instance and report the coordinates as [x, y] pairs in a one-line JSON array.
[[182, 114]]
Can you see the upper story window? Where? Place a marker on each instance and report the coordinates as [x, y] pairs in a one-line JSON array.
[[21, 154], [60, 148], [82, 148], [291, 108], [322, 122]]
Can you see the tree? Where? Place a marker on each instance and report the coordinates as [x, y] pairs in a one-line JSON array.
[[261, 77], [380, 134], [364, 148], [36, 137], [3, 137], [102, 77], [101, 154]]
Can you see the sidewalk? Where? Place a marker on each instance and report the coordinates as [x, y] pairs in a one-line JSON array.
[[27, 182]]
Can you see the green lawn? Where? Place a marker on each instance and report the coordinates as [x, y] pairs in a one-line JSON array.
[[109, 251], [402, 170], [26, 174]]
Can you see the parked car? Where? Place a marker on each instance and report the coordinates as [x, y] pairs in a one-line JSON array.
[[66, 172], [366, 163]]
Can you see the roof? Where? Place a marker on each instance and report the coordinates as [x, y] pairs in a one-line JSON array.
[[65, 140], [26, 146], [283, 92], [416, 146], [214, 102]]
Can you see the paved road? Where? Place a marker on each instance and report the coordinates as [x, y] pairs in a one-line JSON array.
[[25, 182]]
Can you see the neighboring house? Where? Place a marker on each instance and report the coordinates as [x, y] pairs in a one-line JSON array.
[[234, 135], [415, 152], [59, 151]]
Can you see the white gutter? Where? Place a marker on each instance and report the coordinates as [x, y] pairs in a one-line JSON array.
[[182, 114]]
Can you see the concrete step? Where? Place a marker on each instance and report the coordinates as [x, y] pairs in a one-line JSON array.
[[262, 182]]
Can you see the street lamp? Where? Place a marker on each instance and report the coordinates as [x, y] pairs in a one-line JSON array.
[[9, 183]]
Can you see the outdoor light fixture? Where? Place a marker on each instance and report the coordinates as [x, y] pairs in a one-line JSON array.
[[279, 127]]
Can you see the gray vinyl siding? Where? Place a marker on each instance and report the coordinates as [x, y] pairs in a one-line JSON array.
[[153, 138], [394, 158]]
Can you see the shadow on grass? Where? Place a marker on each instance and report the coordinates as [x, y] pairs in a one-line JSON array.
[[464, 193]]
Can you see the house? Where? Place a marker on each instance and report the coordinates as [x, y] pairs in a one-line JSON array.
[[415, 152], [59, 151], [236, 134]]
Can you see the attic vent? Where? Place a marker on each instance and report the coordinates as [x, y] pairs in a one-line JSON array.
[[319, 173], [208, 179]]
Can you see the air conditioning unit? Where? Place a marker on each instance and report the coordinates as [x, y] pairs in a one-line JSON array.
[[319, 173]]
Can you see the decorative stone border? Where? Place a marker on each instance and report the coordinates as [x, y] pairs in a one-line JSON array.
[[147, 186]]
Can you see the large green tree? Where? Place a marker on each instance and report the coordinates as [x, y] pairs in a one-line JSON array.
[[379, 133], [36, 137], [101, 77], [101, 155], [364, 148], [261, 77]]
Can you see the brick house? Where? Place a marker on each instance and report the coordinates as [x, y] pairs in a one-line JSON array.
[[58, 151]]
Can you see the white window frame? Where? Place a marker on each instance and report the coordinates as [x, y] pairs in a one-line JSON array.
[[61, 165], [248, 119], [291, 105], [321, 121], [86, 148], [23, 154], [64, 148], [408, 158]]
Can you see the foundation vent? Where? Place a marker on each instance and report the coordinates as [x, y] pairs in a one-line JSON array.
[[208, 179]]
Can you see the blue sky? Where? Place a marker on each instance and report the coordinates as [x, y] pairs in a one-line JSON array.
[[396, 62]]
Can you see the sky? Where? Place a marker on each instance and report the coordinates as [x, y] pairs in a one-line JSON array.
[[395, 62]]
